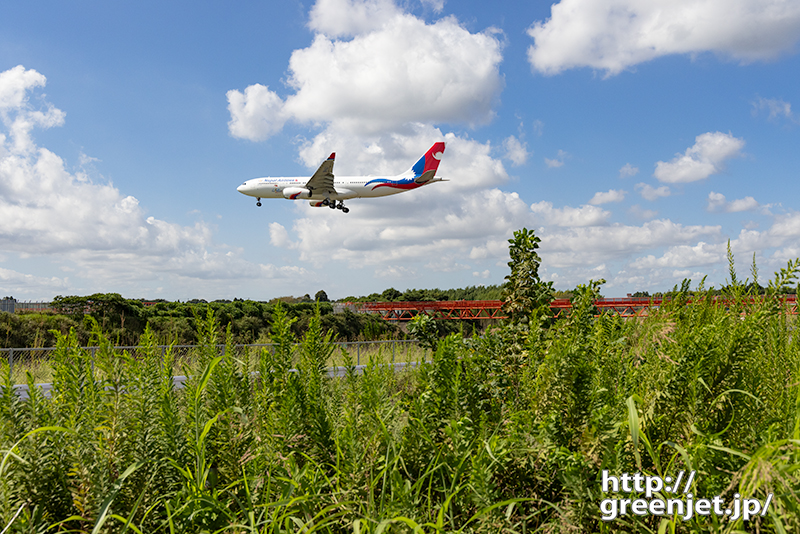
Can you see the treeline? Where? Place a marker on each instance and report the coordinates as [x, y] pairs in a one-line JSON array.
[[493, 292], [124, 320]]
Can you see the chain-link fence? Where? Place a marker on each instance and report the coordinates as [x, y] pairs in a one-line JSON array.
[[37, 361]]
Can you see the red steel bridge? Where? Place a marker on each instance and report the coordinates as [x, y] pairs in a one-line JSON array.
[[492, 309]]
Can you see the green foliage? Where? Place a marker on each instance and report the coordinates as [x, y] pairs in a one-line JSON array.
[[505, 432], [524, 292], [125, 320], [423, 328]]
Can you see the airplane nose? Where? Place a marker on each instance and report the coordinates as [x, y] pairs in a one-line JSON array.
[[241, 188]]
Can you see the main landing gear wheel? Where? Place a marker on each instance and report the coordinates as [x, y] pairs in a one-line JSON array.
[[341, 206], [345, 210]]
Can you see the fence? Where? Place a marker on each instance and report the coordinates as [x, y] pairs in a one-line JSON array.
[[37, 361]]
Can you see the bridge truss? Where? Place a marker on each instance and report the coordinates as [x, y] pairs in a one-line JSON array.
[[492, 309]]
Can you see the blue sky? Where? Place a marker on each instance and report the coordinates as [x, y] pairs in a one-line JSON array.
[[635, 136]]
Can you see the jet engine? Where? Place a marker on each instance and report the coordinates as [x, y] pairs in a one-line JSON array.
[[293, 193]]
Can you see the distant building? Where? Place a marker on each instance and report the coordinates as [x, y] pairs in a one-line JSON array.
[[12, 305]]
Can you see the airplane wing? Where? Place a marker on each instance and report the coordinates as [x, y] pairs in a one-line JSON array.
[[322, 181]]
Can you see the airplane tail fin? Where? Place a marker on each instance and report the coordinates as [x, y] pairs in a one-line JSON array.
[[424, 169]]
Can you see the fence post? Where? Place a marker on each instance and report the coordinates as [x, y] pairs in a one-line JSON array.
[[393, 346], [93, 350], [10, 363], [358, 353]]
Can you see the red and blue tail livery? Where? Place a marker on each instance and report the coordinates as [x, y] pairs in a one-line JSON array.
[[323, 189]]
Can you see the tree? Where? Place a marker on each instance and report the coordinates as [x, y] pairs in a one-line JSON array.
[[523, 291], [391, 294], [321, 296]]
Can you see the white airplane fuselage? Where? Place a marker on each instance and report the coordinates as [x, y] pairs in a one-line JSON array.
[[323, 189], [346, 187]]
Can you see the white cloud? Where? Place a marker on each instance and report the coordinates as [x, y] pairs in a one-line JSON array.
[[14, 87], [92, 227], [612, 195], [649, 192], [568, 216], [405, 229], [466, 163], [516, 151], [558, 161], [257, 114], [642, 214], [628, 170], [574, 247], [717, 202], [775, 107], [436, 5], [706, 157], [613, 35], [395, 70], [346, 18], [278, 236], [22, 285], [683, 256]]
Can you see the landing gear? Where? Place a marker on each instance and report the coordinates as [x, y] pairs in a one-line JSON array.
[[333, 205], [258, 201]]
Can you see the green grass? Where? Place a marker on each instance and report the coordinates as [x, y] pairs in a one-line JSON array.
[[38, 363], [508, 432]]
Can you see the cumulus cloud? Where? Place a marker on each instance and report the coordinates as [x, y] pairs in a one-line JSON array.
[[70, 219], [612, 195], [516, 151], [649, 192], [628, 170], [256, 114], [557, 161], [577, 246], [18, 284], [346, 18], [776, 109], [613, 35], [395, 70], [644, 214], [409, 228], [568, 216], [717, 202], [706, 157], [14, 87], [683, 256], [278, 236], [466, 162]]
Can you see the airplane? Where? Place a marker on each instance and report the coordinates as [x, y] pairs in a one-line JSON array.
[[322, 189]]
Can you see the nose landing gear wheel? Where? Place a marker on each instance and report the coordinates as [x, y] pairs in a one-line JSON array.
[[258, 202]]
